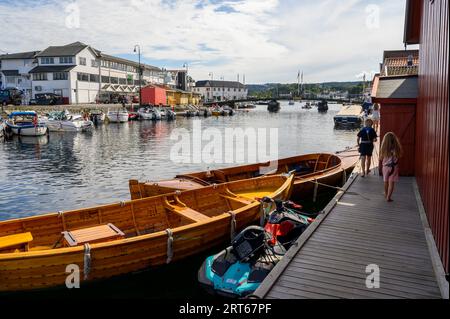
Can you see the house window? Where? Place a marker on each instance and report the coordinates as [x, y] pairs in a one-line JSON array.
[[39, 76], [93, 78], [82, 61], [114, 80], [65, 60], [105, 79], [60, 76], [84, 77], [47, 61], [122, 81]]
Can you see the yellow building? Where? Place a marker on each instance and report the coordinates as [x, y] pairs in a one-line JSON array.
[[182, 97], [194, 98], [171, 97]]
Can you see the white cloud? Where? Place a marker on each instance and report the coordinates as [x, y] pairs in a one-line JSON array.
[[268, 40]]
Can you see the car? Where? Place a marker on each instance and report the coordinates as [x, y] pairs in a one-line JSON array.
[[46, 99], [10, 96]]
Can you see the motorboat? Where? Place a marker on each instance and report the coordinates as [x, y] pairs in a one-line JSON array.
[[97, 117], [349, 116], [291, 102], [66, 122], [145, 114], [25, 123], [273, 106], [119, 116], [171, 115]]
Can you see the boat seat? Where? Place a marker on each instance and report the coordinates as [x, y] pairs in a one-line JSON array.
[[237, 199], [22, 240], [94, 234], [191, 214]]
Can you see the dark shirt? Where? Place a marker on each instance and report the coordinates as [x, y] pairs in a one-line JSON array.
[[367, 134]]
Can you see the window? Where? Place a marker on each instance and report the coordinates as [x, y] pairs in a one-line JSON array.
[[60, 76], [39, 76], [105, 79], [94, 63], [65, 60], [94, 78], [84, 77], [47, 61], [122, 81], [105, 64], [82, 61], [114, 80]]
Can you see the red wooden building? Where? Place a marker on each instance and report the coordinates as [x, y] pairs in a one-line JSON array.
[[155, 95], [426, 111]]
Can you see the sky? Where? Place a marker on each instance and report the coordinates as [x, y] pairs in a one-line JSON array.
[[265, 40]]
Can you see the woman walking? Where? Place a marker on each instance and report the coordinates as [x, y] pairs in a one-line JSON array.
[[366, 137], [390, 153]]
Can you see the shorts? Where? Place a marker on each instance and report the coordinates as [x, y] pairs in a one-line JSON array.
[[366, 149]]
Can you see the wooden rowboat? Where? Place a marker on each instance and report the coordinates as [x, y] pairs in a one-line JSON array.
[[135, 235], [325, 168]]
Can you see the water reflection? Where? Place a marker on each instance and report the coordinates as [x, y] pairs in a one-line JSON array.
[[71, 170]]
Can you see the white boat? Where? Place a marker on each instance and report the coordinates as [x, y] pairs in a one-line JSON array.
[[26, 124], [145, 114], [2, 127], [119, 116], [66, 122], [97, 117], [349, 115], [156, 114]]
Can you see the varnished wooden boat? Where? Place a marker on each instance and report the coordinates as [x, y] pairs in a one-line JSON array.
[[35, 251], [325, 168]]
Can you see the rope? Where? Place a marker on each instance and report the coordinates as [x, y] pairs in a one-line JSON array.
[[232, 224], [169, 245], [61, 215], [87, 261]]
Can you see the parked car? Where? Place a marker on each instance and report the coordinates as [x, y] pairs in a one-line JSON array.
[[46, 99], [10, 96]]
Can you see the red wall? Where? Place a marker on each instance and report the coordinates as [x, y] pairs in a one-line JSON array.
[[400, 119], [432, 121], [154, 95]]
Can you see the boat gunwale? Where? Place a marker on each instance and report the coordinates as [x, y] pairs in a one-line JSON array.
[[5, 257]]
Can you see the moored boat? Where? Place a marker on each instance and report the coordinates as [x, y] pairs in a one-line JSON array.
[[325, 168], [109, 240], [66, 122], [119, 116], [349, 116], [273, 106], [25, 123]]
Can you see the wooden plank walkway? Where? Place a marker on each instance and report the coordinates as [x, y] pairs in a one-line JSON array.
[[357, 229]]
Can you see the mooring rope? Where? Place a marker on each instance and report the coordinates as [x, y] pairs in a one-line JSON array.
[[87, 261], [169, 245], [232, 224]]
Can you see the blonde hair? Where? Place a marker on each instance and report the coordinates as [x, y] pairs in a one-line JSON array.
[[390, 146]]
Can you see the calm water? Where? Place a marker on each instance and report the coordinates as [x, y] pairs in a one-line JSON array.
[[67, 171]]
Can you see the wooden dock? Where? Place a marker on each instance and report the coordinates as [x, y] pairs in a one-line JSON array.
[[359, 228]]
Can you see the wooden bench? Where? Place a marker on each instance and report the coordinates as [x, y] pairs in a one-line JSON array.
[[191, 214], [16, 240], [94, 234], [238, 199]]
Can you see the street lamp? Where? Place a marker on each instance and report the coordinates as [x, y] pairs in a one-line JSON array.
[[186, 66], [222, 78], [140, 72]]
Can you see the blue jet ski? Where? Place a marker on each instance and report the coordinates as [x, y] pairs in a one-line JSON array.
[[238, 270]]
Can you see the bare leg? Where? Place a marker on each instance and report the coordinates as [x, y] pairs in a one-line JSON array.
[[386, 188], [363, 165], [390, 191], [368, 159]]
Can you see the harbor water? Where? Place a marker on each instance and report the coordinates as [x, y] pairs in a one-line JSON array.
[[66, 171]]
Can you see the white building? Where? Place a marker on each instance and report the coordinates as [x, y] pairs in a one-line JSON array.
[[14, 71], [79, 73], [216, 91]]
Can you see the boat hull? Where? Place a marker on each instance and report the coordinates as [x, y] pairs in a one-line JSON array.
[[118, 117], [28, 130]]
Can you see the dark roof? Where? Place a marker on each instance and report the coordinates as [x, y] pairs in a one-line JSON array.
[[128, 62], [65, 50], [52, 68], [10, 72], [21, 55], [404, 87], [227, 84]]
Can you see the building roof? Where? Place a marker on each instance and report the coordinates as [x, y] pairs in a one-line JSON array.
[[63, 50], [128, 62], [395, 63], [227, 84], [52, 68], [10, 72], [402, 87], [21, 55], [413, 15]]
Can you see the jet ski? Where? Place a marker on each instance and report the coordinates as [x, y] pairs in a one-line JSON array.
[[238, 270]]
